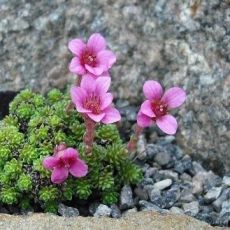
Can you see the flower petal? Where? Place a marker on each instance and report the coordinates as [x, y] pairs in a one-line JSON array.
[[96, 117], [79, 168], [50, 162], [77, 46], [88, 84], [106, 58], [111, 115], [167, 124], [76, 67], [70, 154], [106, 100], [96, 42], [104, 74], [146, 108], [59, 175], [152, 90], [78, 96], [102, 85], [174, 97], [97, 70], [143, 120]]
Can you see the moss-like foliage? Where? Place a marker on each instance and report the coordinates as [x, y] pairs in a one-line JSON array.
[[34, 126]]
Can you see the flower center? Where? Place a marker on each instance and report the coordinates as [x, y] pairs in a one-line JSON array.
[[88, 58], [93, 103], [159, 108]]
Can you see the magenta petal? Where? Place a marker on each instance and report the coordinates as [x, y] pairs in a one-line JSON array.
[[96, 117], [102, 85], [106, 100], [59, 175], [78, 96], [98, 70], [50, 162], [111, 115], [88, 84], [76, 67], [174, 97], [70, 154], [106, 58], [79, 168], [104, 74], [77, 46], [167, 124], [143, 120], [96, 42], [146, 108], [152, 90]]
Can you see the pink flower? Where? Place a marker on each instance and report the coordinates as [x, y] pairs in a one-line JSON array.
[[156, 108], [92, 58], [92, 99], [65, 161]]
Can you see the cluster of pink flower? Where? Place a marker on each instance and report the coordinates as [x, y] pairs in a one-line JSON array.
[[91, 62]]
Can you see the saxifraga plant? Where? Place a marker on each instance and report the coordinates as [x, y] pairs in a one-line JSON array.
[[35, 125]]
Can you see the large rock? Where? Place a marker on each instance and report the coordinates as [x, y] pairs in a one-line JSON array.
[[136, 221], [182, 43]]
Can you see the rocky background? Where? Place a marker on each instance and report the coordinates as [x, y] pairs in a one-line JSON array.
[[177, 42]]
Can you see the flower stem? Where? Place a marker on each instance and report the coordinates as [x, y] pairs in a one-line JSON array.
[[134, 138], [89, 135]]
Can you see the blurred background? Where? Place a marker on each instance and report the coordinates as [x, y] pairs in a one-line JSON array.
[[178, 42]]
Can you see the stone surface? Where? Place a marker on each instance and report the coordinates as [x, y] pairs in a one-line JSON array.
[[161, 185], [102, 210], [191, 208], [65, 211], [136, 221], [126, 198], [213, 194], [183, 43]]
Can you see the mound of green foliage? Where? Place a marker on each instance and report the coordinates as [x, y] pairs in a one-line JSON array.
[[34, 126]]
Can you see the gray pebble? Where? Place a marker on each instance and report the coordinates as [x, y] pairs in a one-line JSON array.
[[191, 208], [176, 210], [126, 198], [212, 194], [226, 181], [66, 211], [161, 185], [162, 158], [115, 211], [102, 210]]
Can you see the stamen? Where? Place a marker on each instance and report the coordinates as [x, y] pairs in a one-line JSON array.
[[93, 103], [159, 108]]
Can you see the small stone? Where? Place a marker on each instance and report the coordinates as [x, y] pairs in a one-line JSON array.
[[133, 210], [210, 217], [185, 165], [191, 208], [147, 206], [223, 197], [168, 174], [226, 180], [162, 158], [19, 24], [224, 220], [185, 177], [141, 193], [66, 211], [153, 149], [171, 197], [198, 167], [150, 172], [161, 185], [187, 196], [213, 194], [126, 198], [115, 211], [158, 200], [225, 207], [176, 210], [102, 210]]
